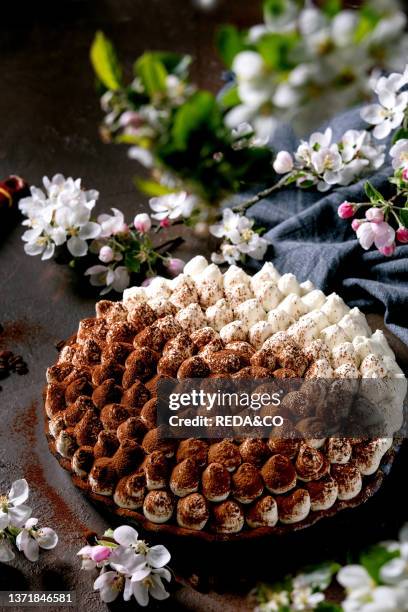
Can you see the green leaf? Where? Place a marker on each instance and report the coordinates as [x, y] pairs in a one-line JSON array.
[[374, 558], [198, 112], [332, 7], [403, 214], [328, 606], [174, 63], [372, 193], [276, 50], [369, 18], [152, 73], [151, 188], [105, 62], [273, 9], [399, 134], [132, 262], [229, 43], [230, 97]]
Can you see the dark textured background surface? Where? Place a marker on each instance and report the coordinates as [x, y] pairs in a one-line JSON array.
[[48, 123]]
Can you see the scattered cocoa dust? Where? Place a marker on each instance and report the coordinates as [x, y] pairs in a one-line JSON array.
[[25, 425], [18, 332]]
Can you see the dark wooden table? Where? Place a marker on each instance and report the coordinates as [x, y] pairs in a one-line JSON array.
[[49, 114]]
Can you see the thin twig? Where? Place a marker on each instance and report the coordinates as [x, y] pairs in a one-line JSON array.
[[260, 196]]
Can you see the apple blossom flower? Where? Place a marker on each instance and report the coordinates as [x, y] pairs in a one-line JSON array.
[[388, 114], [142, 223], [143, 156], [405, 174], [402, 234], [306, 599], [172, 205], [156, 556], [174, 265], [355, 224], [381, 234], [31, 539], [13, 511], [75, 221], [60, 214], [112, 224], [399, 154], [364, 595], [115, 278], [106, 254], [375, 215], [241, 239], [323, 163], [109, 584], [346, 210], [283, 162], [129, 566], [42, 240], [101, 553]]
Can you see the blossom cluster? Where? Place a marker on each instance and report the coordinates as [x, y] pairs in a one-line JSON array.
[[239, 239], [307, 62], [378, 583], [128, 566], [323, 163], [391, 110], [18, 529], [60, 216], [375, 227]]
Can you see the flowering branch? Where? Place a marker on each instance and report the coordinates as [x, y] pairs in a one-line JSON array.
[[17, 527], [378, 582], [128, 566]]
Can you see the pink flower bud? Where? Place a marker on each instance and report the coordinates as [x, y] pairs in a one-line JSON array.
[[388, 250], [100, 553], [405, 174], [283, 162], [355, 224], [375, 215], [142, 223], [175, 266], [346, 210], [165, 223], [106, 254], [402, 234]]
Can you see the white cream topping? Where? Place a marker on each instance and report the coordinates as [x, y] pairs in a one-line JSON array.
[[288, 284], [259, 332], [191, 318], [236, 330], [306, 287], [333, 335], [220, 314], [195, 266], [268, 295], [250, 312], [279, 319], [268, 272], [334, 308], [293, 305], [314, 299]]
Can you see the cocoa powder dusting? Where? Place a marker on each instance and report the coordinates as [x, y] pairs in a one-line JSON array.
[[25, 426]]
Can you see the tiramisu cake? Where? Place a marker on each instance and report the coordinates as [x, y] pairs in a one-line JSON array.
[[101, 401]]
